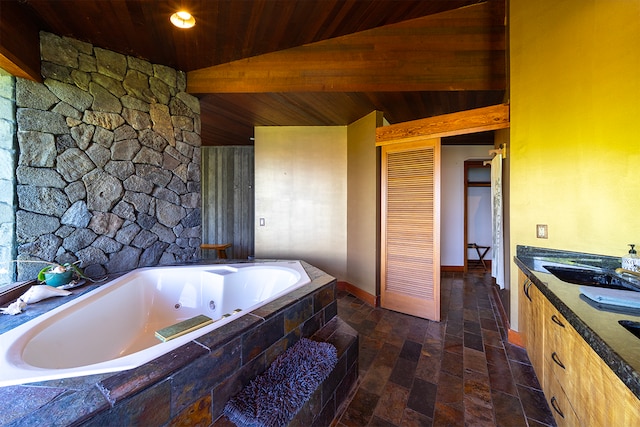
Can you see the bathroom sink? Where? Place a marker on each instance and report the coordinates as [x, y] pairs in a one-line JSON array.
[[590, 262], [631, 326], [586, 277]]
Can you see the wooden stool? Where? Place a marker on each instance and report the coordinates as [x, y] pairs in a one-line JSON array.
[[222, 249]]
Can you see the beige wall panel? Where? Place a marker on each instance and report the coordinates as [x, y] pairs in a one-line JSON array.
[[363, 203], [301, 192]]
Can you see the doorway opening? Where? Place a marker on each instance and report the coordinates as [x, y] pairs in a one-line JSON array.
[[461, 123], [477, 215]]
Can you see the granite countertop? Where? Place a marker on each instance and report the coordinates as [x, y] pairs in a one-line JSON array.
[[617, 347]]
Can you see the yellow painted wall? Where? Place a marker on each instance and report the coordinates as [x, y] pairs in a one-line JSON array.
[[575, 125]]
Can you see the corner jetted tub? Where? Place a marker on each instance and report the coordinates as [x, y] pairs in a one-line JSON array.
[[112, 328]]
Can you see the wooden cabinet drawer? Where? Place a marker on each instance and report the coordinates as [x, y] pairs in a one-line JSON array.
[[559, 347], [598, 395], [531, 308], [592, 389], [558, 401]]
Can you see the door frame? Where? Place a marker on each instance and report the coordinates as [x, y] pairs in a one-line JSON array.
[[470, 164], [461, 123], [465, 122]]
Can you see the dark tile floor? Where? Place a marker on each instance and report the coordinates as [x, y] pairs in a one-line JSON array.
[[458, 372]]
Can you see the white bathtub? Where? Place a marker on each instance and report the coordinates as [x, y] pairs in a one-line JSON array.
[[112, 328]]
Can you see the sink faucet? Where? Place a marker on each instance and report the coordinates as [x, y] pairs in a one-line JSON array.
[[635, 274]]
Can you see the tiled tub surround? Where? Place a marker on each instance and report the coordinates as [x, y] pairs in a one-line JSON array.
[[111, 329], [617, 347], [191, 385]]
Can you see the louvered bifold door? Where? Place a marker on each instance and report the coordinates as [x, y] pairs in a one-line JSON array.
[[410, 267]]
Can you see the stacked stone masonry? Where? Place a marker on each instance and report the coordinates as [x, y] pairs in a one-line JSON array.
[[7, 178], [109, 162]]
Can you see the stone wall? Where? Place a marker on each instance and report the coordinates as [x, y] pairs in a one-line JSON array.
[[7, 178], [109, 165]]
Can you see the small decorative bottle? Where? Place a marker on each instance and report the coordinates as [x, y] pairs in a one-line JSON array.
[[631, 261]]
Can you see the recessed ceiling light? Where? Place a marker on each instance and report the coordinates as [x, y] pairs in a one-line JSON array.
[[183, 19]]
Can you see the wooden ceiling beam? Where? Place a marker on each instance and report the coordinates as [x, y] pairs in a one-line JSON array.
[[456, 50], [19, 42], [460, 123]]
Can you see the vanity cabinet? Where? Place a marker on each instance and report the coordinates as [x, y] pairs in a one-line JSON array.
[[558, 401], [596, 395], [580, 388], [530, 318], [562, 376]]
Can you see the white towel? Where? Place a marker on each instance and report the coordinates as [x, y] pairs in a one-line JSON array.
[[35, 294], [497, 263], [612, 296]]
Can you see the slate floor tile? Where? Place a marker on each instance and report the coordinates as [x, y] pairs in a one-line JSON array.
[[508, 410], [411, 350], [392, 402], [450, 389], [460, 371], [412, 418], [496, 356], [452, 363], [524, 374], [403, 372], [448, 415], [535, 405], [360, 409], [473, 341], [423, 397], [474, 360], [500, 379]]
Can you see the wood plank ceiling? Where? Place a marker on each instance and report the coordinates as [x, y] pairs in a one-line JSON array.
[[290, 62]]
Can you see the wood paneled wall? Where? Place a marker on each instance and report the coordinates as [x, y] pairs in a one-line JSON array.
[[228, 199]]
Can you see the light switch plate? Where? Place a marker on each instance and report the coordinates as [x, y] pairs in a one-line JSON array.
[[541, 231]]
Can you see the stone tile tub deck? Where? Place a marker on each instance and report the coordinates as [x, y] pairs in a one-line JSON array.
[[191, 385]]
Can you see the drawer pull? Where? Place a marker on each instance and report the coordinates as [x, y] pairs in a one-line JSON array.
[[554, 404], [556, 359], [525, 287], [557, 321]]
